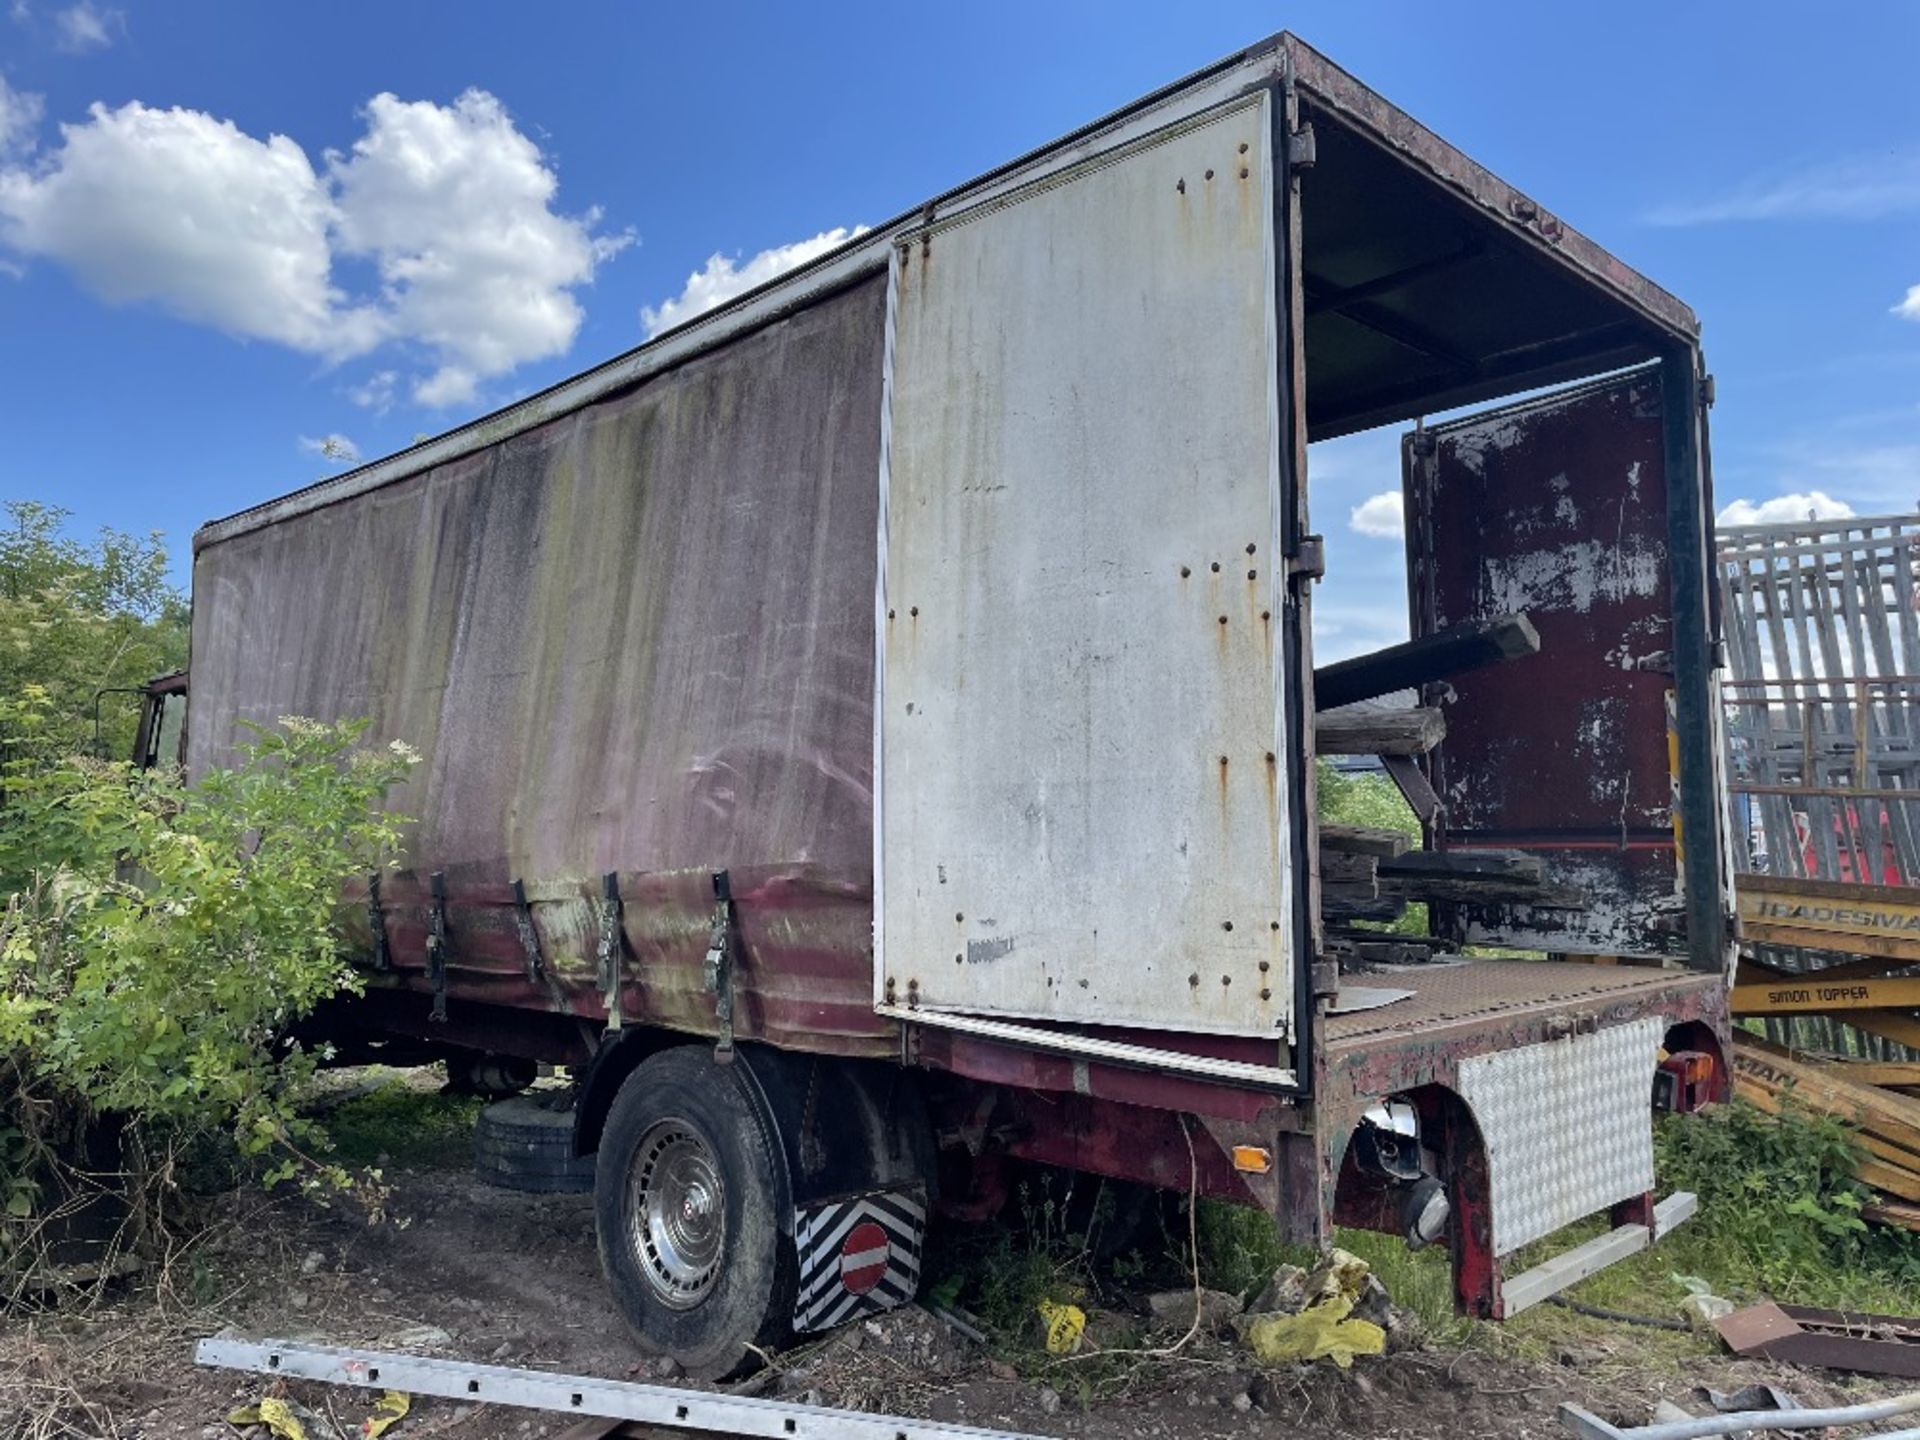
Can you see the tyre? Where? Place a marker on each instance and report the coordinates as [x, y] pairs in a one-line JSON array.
[[472, 1072], [526, 1143], [685, 1210]]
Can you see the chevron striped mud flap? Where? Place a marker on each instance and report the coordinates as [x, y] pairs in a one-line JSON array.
[[858, 1256]]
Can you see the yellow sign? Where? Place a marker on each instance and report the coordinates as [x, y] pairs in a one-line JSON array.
[[1809, 994]]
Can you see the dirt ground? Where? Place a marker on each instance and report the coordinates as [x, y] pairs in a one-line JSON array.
[[476, 1273]]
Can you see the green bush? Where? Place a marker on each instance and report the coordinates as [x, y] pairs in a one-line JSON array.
[[80, 617], [1780, 1210], [159, 940]]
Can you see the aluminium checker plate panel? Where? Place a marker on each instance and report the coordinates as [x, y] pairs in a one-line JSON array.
[[1567, 1127]]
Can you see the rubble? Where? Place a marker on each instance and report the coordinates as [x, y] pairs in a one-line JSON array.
[[1173, 1309]]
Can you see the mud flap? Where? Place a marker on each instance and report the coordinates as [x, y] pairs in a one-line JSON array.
[[858, 1256]]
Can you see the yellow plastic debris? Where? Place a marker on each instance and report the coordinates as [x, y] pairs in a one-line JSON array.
[[1321, 1331], [1341, 1273], [388, 1410], [273, 1412], [289, 1421], [1066, 1324]]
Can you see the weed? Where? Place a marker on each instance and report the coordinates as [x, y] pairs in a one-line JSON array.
[[1779, 1207], [406, 1120]]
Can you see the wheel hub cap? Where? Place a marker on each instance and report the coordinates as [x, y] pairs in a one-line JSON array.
[[677, 1213]]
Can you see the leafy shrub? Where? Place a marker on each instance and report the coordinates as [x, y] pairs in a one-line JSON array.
[[1780, 1209], [159, 940], [79, 617]]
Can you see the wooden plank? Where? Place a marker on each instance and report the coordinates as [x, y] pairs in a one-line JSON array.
[[1477, 877], [1365, 840], [1899, 950], [1892, 1212], [1759, 972], [1813, 994], [1879, 1072], [1879, 920], [1348, 907], [1394, 951], [1506, 865], [1890, 1024], [1893, 1179], [1339, 867], [1417, 662], [1896, 1166], [1356, 730], [1886, 1116]]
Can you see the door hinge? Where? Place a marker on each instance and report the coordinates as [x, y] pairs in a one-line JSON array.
[[1302, 149], [1309, 559]]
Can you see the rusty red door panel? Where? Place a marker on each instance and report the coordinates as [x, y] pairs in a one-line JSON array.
[[1557, 507]]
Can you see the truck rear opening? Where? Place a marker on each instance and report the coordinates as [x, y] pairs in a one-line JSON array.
[[870, 730]]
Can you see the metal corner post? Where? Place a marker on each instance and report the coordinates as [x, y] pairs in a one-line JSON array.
[[1693, 658], [1291, 592]]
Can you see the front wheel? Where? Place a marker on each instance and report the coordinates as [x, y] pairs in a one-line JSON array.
[[684, 1208]]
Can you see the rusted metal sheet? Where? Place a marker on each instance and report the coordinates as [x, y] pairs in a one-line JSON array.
[[1836, 1339], [1082, 802], [1558, 508], [637, 639]]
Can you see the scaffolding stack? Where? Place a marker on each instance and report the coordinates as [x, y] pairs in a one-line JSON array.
[[1822, 714]]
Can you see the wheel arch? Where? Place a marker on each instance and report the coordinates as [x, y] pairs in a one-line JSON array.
[[838, 1126]]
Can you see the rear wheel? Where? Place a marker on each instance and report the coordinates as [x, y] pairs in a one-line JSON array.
[[684, 1207]]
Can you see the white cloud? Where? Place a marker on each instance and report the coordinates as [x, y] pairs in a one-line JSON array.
[[1783, 509], [1909, 308], [1853, 190], [375, 393], [449, 385], [720, 279], [82, 27], [336, 448], [19, 115], [452, 206], [186, 211], [1382, 516]]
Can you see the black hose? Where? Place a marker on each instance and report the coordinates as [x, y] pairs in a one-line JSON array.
[[1652, 1322]]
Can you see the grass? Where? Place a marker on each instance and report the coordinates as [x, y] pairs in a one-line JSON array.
[[404, 1118], [1778, 1219]]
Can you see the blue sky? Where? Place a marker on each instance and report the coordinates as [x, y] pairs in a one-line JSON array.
[[464, 204]]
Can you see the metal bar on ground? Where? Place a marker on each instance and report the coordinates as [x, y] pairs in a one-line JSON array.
[[1589, 1426], [1551, 1276], [695, 1411]]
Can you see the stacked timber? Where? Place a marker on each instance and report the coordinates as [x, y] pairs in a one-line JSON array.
[[1370, 706], [1880, 1100], [1358, 885]]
